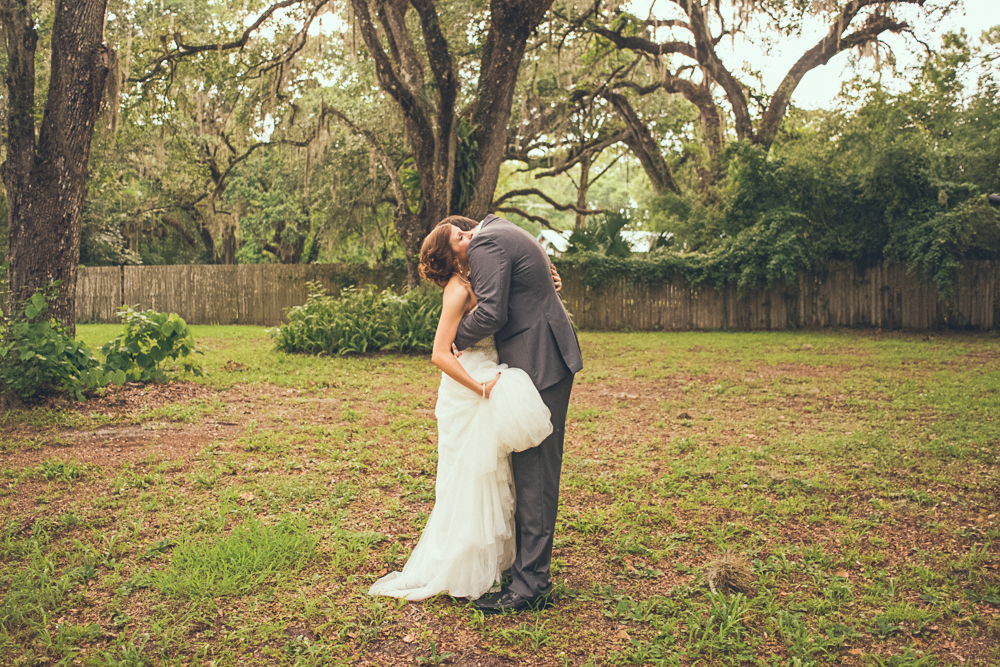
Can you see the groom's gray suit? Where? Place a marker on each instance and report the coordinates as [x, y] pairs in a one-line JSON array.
[[518, 305]]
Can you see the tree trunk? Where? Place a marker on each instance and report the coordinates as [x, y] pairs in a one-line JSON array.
[[642, 144], [581, 189], [429, 110], [46, 184], [511, 24]]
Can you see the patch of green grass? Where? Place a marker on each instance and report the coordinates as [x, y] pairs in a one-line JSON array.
[[253, 554], [62, 471]]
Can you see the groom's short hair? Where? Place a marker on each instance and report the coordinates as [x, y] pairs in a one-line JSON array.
[[460, 221]]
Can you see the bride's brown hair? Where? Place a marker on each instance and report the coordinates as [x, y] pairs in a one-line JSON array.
[[437, 259]]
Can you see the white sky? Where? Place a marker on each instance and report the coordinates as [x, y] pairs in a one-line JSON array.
[[821, 85]]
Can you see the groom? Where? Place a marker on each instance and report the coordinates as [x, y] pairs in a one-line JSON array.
[[518, 305]]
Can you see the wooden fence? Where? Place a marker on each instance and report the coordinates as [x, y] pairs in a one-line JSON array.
[[217, 294], [839, 294]]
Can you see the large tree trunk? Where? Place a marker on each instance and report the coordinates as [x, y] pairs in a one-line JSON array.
[[511, 24], [46, 183], [428, 110]]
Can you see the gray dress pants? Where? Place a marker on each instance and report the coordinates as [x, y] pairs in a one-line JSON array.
[[536, 483]]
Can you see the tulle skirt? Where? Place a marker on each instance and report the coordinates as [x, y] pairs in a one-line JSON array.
[[469, 537]]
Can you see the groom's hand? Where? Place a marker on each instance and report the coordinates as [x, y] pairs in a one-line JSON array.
[[454, 350]]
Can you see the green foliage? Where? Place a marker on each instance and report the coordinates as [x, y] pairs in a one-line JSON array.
[[275, 222], [466, 161], [149, 339], [361, 320], [770, 251], [602, 235], [38, 355], [937, 243]]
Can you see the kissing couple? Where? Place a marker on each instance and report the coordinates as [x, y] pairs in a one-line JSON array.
[[508, 353]]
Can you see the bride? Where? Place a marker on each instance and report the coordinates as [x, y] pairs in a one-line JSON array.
[[484, 412]]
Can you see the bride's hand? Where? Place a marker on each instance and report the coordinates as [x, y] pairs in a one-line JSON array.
[[555, 277], [488, 387]]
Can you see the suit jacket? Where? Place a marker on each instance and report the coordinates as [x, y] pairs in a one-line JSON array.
[[518, 304]]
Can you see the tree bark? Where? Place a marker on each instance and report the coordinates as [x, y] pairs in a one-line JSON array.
[[581, 190], [511, 24], [642, 144], [429, 108], [46, 183]]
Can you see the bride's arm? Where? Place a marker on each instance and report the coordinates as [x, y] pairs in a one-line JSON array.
[[456, 298]]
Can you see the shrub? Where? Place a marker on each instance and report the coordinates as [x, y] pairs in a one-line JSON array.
[[361, 320], [37, 355], [149, 339], [602, 236]]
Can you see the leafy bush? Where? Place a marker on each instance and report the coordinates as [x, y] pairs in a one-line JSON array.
[[413, 319], [770, 251], [361, 320], [601, 235], [38, 355], [149, 339]]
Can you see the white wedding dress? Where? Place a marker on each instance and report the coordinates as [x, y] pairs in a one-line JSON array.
[[469, 537]]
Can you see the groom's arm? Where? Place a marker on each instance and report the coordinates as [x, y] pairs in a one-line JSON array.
[[491, 279]]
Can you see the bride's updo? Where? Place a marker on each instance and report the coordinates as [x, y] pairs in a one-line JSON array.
[[437, 258]]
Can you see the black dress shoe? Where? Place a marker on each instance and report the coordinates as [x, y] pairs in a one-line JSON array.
[[507, 601]]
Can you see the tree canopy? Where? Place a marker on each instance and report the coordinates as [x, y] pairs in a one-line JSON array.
[[303, 130]]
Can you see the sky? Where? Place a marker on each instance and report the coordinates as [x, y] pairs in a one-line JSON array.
[[819, 88]]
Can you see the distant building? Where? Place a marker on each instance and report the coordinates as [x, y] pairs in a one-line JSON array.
[[556, 243]]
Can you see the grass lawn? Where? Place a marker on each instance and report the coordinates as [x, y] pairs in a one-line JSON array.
[[239, 519]]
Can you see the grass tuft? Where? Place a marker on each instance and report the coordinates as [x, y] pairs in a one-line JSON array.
[[730, 573], [254, 553]]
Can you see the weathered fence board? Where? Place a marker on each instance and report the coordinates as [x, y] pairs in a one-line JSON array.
[[217, 294], [886, 295], [98, 294]]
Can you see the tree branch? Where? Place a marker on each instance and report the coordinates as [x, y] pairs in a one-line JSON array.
[[575, 156], [538, 193], [183, 50], [829, 46], [643, 145], [380, 154], [642, 45], [528, 216], [178, 227], [301, 143]]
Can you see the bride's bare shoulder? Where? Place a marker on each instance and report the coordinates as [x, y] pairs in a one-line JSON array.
[[456, 288]]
